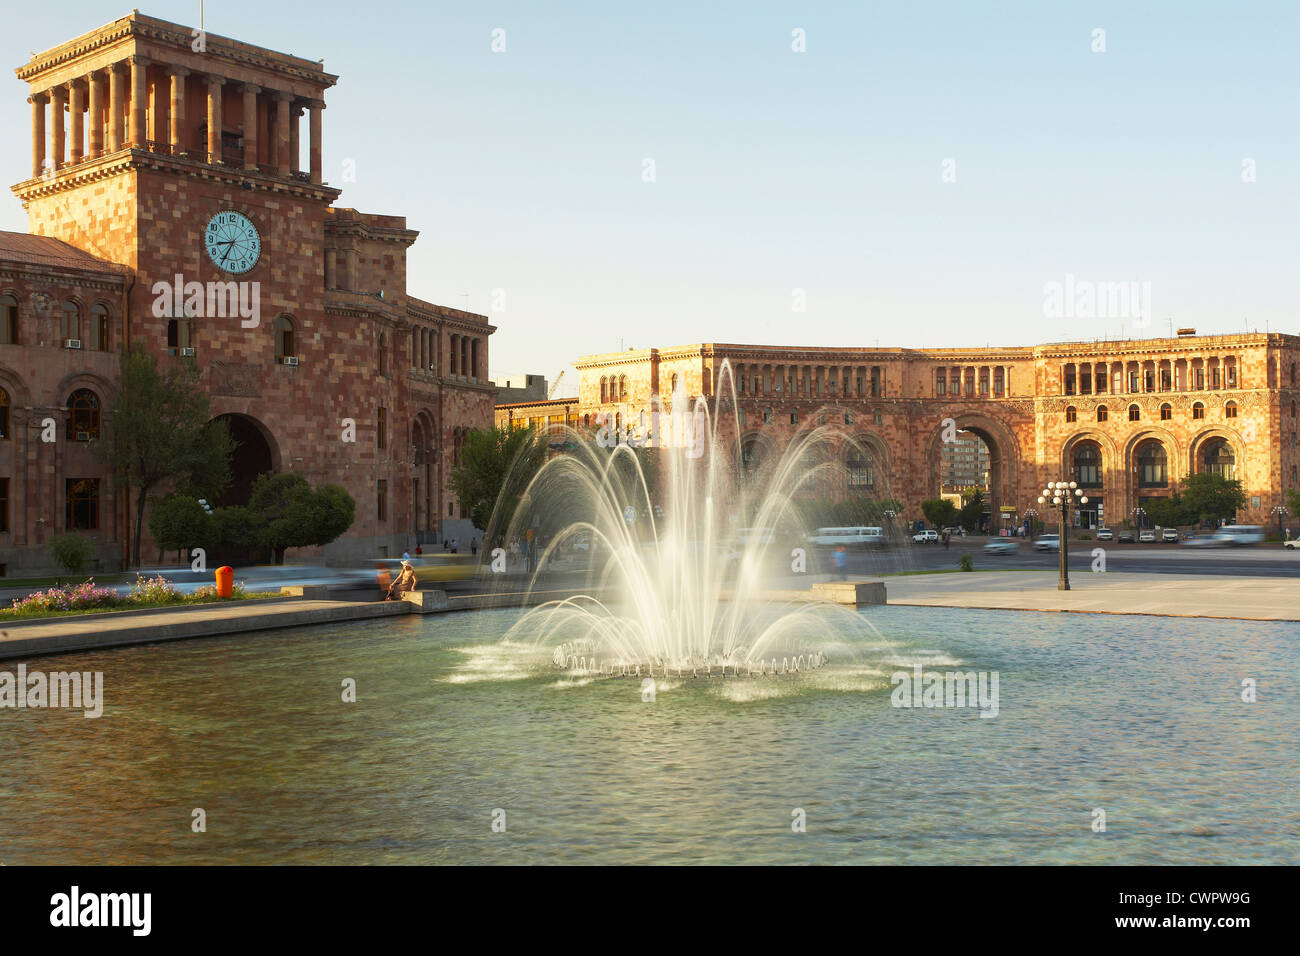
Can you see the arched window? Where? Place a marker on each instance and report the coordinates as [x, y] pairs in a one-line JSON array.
[[1103, 413], [604, 390], [1166, 412], [673, 388], [1198, 411], [381, 428], [857, 464], [83, 415], [1152, 465], [1087, 465], [1219, 459], [70, 322], [98, 331], [751, 459], [877, 417], [383, 354], [622, 388], [284, 340], [1134, 413], [4, 414], [8, 320], [1230, 410], [1071, 414]]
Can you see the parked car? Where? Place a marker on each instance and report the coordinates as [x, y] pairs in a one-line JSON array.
[[1169, 536], [928, 534], [1105, 534], [1239, 534], [1146, 536], [1291, 545], [1047, 542], [1125, 537], [1002, 546]]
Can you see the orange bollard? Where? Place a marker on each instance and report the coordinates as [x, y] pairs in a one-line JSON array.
[[225, 581]]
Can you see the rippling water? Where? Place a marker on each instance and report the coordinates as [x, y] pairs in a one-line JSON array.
[[1141, 717]]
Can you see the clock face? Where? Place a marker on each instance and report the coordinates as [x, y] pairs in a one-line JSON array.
[[232, 242]]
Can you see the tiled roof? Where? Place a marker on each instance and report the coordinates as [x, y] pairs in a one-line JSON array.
[[48, 251]]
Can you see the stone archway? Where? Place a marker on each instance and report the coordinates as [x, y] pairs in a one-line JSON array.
[[255, 455], [1003, 458]]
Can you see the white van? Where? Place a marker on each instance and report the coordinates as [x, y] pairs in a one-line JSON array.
[[1234, 534], [849, 537]]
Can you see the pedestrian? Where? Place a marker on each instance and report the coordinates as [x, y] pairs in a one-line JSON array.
[[841, 558], [419, 551], [403, 583], [406, 555], [453, 545], [473, 545], [946, 536]]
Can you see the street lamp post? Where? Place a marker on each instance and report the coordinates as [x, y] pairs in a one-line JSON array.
[[1063, 495], [1139, 515], [1280, 510]]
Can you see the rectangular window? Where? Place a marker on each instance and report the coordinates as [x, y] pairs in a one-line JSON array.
[[940, 383], [381, 432], [381, 501], [82, 504], [8, 320], [1133, 381], [1166, 381], [1214, 377], [4, 416], [4, 504]]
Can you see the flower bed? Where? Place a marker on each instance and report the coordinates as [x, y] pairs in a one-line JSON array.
[[86, 597]]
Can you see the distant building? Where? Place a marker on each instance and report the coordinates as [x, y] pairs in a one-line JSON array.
[[538, 414], [965, 463], [512, 389]]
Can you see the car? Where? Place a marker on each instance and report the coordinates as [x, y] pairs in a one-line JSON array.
[[1002, 546], [1105, 534], [1146, 536], [1291, 545], [1047, 542], [927, 535], [954, 532], [1169, 536], [1201, 541], [1125, 537], [1234, 535], [856, 537]]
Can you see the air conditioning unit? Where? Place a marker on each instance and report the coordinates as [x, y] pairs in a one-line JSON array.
[[290, 360], [72, 343], [83, 436], [188, 351]]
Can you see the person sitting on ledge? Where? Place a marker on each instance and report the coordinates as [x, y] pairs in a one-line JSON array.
[[404, 582]]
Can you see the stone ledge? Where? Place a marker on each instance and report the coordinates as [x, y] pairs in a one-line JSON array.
[[853, 593]]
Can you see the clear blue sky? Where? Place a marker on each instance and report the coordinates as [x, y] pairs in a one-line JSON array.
[[775, 170]]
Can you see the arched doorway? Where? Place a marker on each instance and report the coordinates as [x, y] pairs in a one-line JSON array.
[[254, 455], [1218, 458], [978, 450]]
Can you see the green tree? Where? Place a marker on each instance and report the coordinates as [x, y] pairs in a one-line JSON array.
[[1169, 512], [179, 522], [496, 465], [290, 514], [235, 532], [972, 510], [158, 433], [940, 512], [1208, 496], [72, 551]]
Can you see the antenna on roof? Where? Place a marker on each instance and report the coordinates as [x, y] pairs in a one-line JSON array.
[[201, 30]]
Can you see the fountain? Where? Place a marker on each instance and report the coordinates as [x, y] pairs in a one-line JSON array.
[[672, 586]]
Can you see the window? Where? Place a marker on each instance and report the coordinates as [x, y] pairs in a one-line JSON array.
[[767, 416], [848, 418], [740, 417], [794, 418], [1151, 465], [622, 388], [4, 414], [1214, 377], [1132, 380], [941, 381], [383, 356], [1134, 413], [1230, 410], [381, 501], [1198, 411], [1071, 414], [1148, 380], [1231, 373], [1087, 465], [1103, 413], [750, 459], [284, 345], [604, 390], [1219, 459], [672, 388], [178, 335], [877, 417], [83, 415], [8, 320], [82, 501], [857, 464], [98, 331], [381, 429], [1166, 412], [1166, 381], [4, 504], [821, 418], [1069, 380], [70, 321]]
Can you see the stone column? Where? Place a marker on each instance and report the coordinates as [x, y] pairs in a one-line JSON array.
[[295, 150], [250, 125], [282, 133], [38, 101], [58, 100], [76, 106], [177, 132], [159, 101], [331, 267], [116, 106], [315, 149], [96, 116], [215, 118], [139, 66]]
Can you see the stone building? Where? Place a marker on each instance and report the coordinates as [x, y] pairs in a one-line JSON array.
[[169, 205], [1126, 419], [543, 413]]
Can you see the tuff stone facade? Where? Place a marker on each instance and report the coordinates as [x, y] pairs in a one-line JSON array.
[[1202, 402], [140, 136]]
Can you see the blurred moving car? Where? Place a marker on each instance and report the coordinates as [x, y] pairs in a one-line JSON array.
[[429, 569], [1125, 537], [849, 537], [1002, 546], [1201, 541], [1146, 536], [1047, 542], [1234, 535], [1105, 534], [927, 535], [1169, 536]]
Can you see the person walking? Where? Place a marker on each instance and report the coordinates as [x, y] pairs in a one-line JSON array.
[[946, 536], [841, 559], [473, 546], [453, 545]]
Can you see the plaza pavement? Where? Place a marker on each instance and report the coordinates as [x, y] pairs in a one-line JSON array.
[[1248, 598]]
